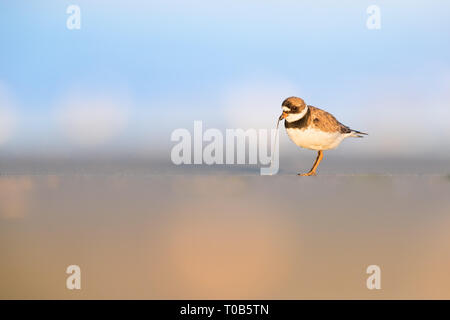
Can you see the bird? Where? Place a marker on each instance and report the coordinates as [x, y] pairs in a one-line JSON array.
[[313, 128]]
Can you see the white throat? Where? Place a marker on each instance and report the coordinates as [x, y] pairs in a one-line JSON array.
[[297, 116]]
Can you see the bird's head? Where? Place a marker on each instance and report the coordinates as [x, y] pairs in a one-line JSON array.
[[293, 109]]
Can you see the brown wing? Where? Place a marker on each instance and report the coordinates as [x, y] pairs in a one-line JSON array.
[[325, 121]]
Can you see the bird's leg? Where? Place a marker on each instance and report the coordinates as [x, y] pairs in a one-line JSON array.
[[312, 172]]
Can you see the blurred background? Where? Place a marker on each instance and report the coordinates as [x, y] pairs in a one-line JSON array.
[[136, 71], [85, 122]]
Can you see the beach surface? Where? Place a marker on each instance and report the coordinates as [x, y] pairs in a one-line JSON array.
[[184, 235]]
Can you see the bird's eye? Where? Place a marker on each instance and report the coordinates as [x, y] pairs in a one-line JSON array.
[[294, 109]]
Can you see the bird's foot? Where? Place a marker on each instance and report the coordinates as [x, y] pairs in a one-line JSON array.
[[311, 173]]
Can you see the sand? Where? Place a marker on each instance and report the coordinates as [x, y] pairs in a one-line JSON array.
[[185, 235]]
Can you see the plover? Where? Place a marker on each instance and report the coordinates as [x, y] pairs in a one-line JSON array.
[[313, 128]]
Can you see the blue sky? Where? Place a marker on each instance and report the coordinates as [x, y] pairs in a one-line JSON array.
[[172, 62]]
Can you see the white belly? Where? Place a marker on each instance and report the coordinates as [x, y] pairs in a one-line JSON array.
[[315, 139]]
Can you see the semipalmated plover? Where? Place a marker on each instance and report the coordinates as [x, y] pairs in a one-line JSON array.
[[313, 128]]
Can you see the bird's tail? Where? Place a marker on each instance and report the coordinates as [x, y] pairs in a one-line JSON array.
[[357, 134]]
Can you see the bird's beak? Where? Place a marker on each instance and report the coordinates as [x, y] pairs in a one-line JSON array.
[[283, 116]]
